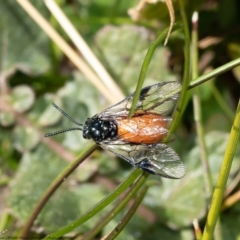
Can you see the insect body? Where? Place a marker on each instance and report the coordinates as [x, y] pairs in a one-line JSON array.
[[140, 140], [147, 129]]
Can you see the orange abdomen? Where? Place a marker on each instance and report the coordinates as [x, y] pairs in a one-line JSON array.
[[148, 129]]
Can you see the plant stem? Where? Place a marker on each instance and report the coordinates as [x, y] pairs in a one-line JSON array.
[[145, 66], [222, 178], [117, 230], [98, 207], [218, 71], [54, 186], [198, 111], [121, 204], [186, 73]]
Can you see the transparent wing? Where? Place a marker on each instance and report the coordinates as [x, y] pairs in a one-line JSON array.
[[156, 159], [159, 99]]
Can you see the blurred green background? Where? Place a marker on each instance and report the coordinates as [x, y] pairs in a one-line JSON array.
[[34, 73]]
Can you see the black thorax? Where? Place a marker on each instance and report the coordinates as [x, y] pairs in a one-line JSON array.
[[99, 130]]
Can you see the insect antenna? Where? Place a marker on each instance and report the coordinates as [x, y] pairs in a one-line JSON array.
[[68, 129], [62, 131], [66, 115]]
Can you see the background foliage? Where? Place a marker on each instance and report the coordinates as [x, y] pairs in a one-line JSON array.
[[34, 73]]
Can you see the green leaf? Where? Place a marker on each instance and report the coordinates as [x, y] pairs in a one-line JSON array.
[[68, 203], [23, 44], [6, 119], [79, 100], [25, 138], [33, 177], [123, 49], [230, 222], [22, 98], [48, 115]]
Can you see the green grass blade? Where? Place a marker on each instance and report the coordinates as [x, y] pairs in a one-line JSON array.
[[223, 177]]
